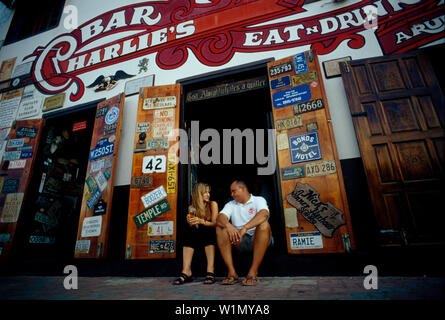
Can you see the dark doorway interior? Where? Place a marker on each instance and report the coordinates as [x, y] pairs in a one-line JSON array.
[[245, 110], [51, 215]]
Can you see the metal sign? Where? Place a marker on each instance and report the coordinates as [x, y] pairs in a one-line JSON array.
[[306, 240], [292, 173], [303, 78], [291, 96], [304, 147], [159, 103], [153, 196], [308, 106], [320, 168], [150, 213], [289, 123], [300, 63], [142, 181], [280, 82], [161, 246], [103, 148]]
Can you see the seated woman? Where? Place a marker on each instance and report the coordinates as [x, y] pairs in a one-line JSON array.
[[200, 232]]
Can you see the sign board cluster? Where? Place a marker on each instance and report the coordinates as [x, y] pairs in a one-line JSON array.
[[314, 199], [151, 226]]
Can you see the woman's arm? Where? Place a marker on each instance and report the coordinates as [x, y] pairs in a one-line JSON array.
[[214, 213]]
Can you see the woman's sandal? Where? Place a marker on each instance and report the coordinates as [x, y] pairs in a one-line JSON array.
[[183, 278], [253, 281], [210, 278], [229, 280]]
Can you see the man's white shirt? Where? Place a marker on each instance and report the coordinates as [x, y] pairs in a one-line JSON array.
[[240, 214]]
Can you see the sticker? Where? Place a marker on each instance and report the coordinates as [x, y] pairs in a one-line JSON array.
[[156, 144], [101, 111], [142, 182], [96, 166], [163, 123], [150, 213], [308, 106], [153, 196], [112, 115], [313, 126], [112, 138], [26, 132], [78, 126], [300, 63], [152, 164], [314, 84], [17, 164], [15, 143], [292, 173], [41, 239], [12, 155], [160, 228], [82, 246], [107, 174], [161, 246], [100, 208], [143, 127], [108, 162], [10, 185], [289, 123], [11, 208], [111, 128], [280, 82], [93, 199], [280, 68], [291, 96], [303, 78], [91, 227], [4, 237], [304, 147], [26, 154], [290, 216], [282, 141], [171, 173], [101, 181], [320, 168], [323, 215], [91, 184], [306, 240], [103, 148], [159, 103]]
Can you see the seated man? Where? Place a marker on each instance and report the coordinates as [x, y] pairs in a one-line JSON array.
[[249, 230]]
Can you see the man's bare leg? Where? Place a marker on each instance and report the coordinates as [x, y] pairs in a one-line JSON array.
[[260, 243], [225, 247]]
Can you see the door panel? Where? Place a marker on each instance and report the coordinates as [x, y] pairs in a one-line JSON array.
[[94, 220], [310, 173], [15, 176], [151, 226], [397, 108]]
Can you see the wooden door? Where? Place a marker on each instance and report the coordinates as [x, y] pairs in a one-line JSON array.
[[94, 221], [15, 175], [397, 108], [316, 211], [151, 226]]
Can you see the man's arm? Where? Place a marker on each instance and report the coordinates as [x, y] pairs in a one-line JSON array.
[[223, 222], [259, 218]]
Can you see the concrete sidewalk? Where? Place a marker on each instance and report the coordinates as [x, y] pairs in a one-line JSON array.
[[269, 288]]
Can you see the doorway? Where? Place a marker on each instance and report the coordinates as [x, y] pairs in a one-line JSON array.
[[244, 110], [55, 191]]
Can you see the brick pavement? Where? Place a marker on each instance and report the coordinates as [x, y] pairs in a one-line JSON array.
[[269, 288]]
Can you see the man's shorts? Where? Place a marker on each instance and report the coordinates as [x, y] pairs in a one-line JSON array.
[[247, 243]]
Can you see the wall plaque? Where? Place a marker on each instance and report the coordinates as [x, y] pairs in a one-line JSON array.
[[323, 215], [159, 103], [289, 123], [54, 102], [304, 147], [142, 181]]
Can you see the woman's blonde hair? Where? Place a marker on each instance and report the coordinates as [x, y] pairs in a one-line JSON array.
[[197, 200]]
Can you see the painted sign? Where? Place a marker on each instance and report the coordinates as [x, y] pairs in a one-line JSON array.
[[304, 147], [161, 246], [150, 213], [159, 103], [306, 240], [323, 215], [291, 96]]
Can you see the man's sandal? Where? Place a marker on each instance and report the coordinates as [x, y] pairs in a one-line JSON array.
[[253, 281], [230, 280], [183, 278], [210, 278]]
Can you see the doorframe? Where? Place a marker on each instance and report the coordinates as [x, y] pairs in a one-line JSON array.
[[184, 170]]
